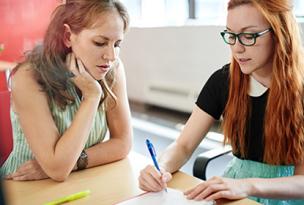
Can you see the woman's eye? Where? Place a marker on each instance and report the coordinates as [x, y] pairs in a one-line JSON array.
[[99, 44], [249, 36], [230, 36]]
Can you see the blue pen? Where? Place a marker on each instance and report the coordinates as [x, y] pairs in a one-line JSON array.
[[153, 155]]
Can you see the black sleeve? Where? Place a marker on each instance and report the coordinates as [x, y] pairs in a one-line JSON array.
[[213, 97]]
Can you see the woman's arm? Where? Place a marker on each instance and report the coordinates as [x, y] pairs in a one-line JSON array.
[[56, 155], [280, 188], [291, 187], [177, 154], [119, 123]]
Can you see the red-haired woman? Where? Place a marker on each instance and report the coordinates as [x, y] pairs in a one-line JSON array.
[[260, 95], [69, 92]]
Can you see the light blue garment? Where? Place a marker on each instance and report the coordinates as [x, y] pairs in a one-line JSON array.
[[239, 169]]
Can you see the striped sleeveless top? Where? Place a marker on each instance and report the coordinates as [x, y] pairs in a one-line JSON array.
[[63, 118]]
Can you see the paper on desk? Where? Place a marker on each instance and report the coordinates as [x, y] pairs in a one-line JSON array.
[[163, 198]]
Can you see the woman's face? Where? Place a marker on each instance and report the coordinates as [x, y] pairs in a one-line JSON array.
[[98, 47], [257, 58]]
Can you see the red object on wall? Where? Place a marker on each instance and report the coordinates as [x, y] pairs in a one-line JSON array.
[[3, 82], [6, 135], [22, 26]]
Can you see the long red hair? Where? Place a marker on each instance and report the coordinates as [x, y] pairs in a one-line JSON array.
[[284, 121]]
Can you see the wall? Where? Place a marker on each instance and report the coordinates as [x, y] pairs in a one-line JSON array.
[[168, 66], [23, 24]]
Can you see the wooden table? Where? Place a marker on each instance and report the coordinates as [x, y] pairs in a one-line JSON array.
[[109, 184]]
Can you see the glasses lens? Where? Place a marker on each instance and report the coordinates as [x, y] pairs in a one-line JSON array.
[[247, 39], [229, 38]]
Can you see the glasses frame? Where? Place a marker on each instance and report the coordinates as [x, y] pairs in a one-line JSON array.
[[238, 36]]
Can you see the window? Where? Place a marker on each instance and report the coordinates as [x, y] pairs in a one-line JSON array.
[[211, 11], [299, 8], [155, 13]]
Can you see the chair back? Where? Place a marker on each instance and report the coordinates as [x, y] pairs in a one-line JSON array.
[[6, 134]]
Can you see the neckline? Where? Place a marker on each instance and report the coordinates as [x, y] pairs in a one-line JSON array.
[[256, 89]]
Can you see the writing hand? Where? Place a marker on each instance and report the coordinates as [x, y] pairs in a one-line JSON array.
[[151, 180]]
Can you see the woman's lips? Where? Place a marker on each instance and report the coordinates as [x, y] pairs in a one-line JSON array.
[[243, 60], [103, 68]]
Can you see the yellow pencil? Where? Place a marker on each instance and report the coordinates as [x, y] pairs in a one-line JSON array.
[[68, 198]]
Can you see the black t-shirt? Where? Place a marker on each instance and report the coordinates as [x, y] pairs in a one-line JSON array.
[[213, 98]]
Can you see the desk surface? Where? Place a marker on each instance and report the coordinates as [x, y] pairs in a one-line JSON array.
[[109, 184]]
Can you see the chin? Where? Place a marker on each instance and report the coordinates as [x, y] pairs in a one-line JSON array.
[[245, 70], [99, 76]]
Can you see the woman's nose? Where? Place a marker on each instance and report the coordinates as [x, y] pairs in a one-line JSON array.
[[237, 47], [110, 54]]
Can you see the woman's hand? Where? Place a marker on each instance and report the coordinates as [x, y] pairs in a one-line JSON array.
[[151, 180], [29, 170], [89, 87], [219, 187]]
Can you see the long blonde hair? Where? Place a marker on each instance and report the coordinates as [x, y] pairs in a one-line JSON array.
[[284, 121]]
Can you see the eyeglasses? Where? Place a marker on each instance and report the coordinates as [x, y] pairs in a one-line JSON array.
[[246, 39]]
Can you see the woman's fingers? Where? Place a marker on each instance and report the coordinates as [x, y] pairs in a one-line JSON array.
[[189, 191], [219, 195], [80, 66], [30, 170], [204, 189], [72, 66], [151, 184], [193, 193], [210, 190], [150, 179]]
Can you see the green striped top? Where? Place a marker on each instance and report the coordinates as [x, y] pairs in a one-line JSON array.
[[63, 118]]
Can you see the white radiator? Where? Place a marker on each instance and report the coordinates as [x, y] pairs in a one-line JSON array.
[[172, 97]]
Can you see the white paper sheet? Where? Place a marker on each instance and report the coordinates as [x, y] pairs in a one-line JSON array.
[[163, 198]]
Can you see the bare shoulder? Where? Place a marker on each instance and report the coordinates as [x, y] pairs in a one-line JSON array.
[[24, 78], [25, 87]]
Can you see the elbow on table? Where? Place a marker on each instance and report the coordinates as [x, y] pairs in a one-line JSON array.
[[59, 177], [125, 148], [59, 174], [125, 151]]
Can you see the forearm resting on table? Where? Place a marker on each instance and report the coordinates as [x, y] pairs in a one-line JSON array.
[[109, 151], [69, 146], [279, 188], [174, 157]]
